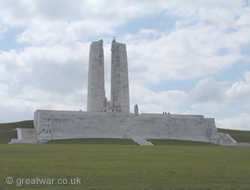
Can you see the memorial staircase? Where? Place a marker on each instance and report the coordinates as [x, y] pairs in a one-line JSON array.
[[227, 140], [142, 141]]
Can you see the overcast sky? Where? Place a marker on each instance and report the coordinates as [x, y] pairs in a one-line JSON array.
[[184, 57]]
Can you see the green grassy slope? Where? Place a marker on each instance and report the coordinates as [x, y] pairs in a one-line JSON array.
[[7, 131], [127, 167], [239, 136]]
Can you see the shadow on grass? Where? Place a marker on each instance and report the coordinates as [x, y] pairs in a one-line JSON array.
[[108, 141], [97, 141], [179, 142]]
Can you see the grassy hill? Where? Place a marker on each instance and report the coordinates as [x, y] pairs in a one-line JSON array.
[[7, 133], [239, 136]]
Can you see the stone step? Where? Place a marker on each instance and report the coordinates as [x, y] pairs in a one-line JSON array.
[[227, 140], [23, 141], [142, 141]]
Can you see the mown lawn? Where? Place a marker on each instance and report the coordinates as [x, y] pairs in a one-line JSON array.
[[127, 166]]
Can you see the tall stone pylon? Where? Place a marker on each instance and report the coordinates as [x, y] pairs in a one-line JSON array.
[[96, 92], [119, 78]]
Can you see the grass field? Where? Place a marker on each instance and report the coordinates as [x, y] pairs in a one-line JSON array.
[[122, 164], [127, 166]]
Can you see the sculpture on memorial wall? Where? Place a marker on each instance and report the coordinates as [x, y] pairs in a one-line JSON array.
[[136, 109]]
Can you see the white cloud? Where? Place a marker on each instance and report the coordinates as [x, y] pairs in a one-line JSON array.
[[153, 102], [193, 50], [49, 22], [43, 77], [21, 105], [207, 90], [15, 109], [60, 69], [216, 99], [3, 29], [215, 11], [209, 109], [183, 54], [63, 33], [244, 19], [241, 122], [240, 90]]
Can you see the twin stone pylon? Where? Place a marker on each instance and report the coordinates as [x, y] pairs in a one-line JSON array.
[[119, 101]]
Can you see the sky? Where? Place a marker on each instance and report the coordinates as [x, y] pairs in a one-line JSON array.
[[184, 57]]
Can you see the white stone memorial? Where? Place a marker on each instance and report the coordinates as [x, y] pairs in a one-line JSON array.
[[112, 119], [119, 78], [96, 92]]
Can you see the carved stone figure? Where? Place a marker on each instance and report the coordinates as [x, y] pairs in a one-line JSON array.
[[136, 109]]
